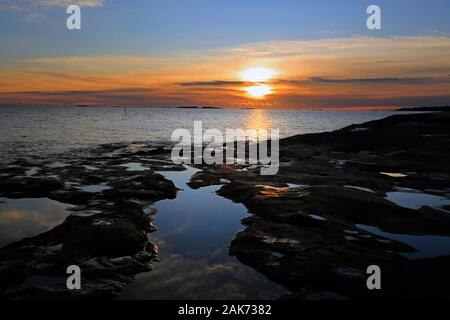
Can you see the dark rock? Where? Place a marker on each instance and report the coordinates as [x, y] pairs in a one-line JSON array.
[[73, 196], [359, 207]]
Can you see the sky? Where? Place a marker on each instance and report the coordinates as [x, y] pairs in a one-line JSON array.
[[164, 53]]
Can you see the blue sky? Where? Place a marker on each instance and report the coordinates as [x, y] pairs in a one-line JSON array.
[[142, 27]]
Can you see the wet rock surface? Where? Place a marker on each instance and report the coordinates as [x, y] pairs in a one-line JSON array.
[[308, 229], [106, 234]]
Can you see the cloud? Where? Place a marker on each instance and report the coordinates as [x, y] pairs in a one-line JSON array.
[[386, 80], [66, 3], [34, 17], [324, 80], [214, 83], [26, 5], [125, 96], [328, 32], [81, 92], [10, 7], [355, 101]]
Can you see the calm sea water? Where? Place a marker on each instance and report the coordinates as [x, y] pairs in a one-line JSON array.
[[31, 131]]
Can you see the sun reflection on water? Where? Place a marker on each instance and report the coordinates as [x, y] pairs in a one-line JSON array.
[[258, 119]]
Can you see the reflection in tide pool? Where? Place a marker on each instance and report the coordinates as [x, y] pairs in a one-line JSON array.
[[96, 188], [427, 246], [195, 231], [134, 166], [414, 199], [29, 217]]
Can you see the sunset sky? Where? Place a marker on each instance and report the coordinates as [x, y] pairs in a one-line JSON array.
[[162, 53]]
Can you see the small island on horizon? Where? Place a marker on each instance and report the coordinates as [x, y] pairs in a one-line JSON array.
[[401, 109]]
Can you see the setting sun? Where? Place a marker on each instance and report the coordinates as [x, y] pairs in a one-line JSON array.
[[259, 91], [257, 74]]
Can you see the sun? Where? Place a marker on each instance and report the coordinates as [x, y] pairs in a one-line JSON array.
[[257, 74], [259, 91]]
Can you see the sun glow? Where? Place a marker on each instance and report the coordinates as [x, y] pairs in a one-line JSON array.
[[259, 91], [257, 74]]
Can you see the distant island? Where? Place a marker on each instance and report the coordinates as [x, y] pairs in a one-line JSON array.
[[115, 106], [407, 109], [99, 106], [197, 107], [442, 108]]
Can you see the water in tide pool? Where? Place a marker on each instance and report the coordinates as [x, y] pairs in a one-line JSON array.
[[30, 131], [23, 218], [195, 231]]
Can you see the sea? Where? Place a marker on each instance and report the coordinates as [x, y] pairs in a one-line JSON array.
[[30, 131]]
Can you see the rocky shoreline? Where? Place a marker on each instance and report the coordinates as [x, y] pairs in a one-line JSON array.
[[310, 228], [310, 225], [106, 234]]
